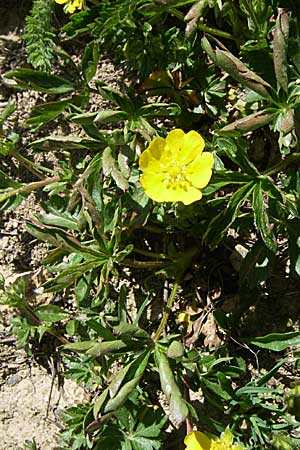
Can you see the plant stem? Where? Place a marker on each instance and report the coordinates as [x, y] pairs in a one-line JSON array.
[[282, 164], [151, 254], [203, 27], [30, 165], [215, 31], [167, 311], [28, 188], [143, 264]]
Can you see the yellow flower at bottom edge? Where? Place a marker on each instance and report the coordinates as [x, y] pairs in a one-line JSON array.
[[176, 168], [72, 5], [196, 440]]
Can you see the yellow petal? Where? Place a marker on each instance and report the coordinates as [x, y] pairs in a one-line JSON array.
[[175, 140], [153, 186], [197, 441], [61, 2], [193, 145], [199, 171], [189, 196], [149, 164], [71, 8], [152, 153], [227, 436]]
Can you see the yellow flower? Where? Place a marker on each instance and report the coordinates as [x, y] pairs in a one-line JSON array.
[[176, 168], [72, 5], [200, 441]]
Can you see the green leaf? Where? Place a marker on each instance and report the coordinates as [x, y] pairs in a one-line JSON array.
[[130, 330], [293, 231], [109, 165], [90, 60], [280, 58], [51, 313], [110, 116], [41, 81], [222, 178], [261, 218], [159, 109], [81, 346], [56, 142], [115, 96], [237, 154], [276, 342], [116, 402], [63, 219], [102, 348], [178, 406], [237, 69], [257, 266], [8, 110], [216, 389], [248, 123], [220, 224], [46, 112]]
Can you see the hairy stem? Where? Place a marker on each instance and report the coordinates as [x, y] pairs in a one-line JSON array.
[[28, 188], [167, 311]]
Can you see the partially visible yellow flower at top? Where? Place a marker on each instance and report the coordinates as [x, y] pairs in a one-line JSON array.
[[176, 168], [72, 5], [196, 440]]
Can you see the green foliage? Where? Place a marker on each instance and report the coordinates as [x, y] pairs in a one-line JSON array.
[[40, 35], [229, 70]]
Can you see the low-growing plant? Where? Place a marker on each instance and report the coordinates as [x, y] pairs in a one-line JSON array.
[[160, 324]]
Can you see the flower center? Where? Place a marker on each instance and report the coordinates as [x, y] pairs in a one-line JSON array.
[[175, 177], [220, 445]]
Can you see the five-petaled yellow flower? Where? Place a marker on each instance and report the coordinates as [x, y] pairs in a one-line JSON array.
[[176, 168], [196, 440], [72, 5]]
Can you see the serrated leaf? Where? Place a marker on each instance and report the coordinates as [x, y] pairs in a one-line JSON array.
[[110, 168]]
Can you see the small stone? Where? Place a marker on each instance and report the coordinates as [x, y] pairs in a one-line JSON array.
[[14, 379]]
